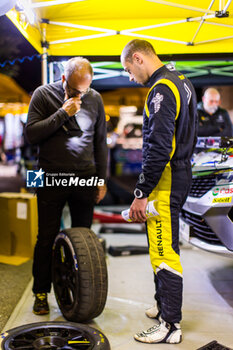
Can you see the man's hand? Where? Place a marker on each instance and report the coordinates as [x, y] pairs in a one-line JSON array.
[[72, 105], [101, 192], [137, 211]]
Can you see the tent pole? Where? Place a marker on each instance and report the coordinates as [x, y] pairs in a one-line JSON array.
[[81, 38], [213, 40], [154, 38], [220, 5], [227, 5], [44, 75], [202, 21], [44, 57]]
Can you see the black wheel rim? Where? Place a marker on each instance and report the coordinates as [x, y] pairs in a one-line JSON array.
[[65, 274], [50, 337]]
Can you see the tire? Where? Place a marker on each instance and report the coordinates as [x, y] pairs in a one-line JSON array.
[[79, 274], [54, 335]]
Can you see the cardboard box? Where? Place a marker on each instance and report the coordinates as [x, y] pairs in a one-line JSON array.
[[19, 224]]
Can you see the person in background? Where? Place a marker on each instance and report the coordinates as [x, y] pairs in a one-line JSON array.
[[169, 137], [66, 120], [212, 119]]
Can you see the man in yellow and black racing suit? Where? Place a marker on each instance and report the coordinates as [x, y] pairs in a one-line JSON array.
[[169, 136]]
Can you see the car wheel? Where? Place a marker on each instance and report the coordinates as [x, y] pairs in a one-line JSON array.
[[79, 274], [54, 335]]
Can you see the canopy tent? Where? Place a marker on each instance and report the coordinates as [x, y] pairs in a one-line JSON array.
[[103, 27], [13, 99]]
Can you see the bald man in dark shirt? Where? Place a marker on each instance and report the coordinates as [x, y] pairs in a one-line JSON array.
[[212, 119], [66, 120]]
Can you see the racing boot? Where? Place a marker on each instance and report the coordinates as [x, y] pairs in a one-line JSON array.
[[163, 332]]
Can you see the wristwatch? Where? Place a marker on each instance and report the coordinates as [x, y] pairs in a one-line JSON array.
[[139, 194]]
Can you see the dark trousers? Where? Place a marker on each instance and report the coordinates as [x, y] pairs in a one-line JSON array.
[[51, 202]]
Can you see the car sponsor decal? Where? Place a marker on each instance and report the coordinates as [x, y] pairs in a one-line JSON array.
[[222, 200], [222, 190]]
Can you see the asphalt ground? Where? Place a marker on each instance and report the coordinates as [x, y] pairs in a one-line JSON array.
[[207, 303], [13, 281]]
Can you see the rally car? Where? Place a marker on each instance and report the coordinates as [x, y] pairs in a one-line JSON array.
[[207, 216]]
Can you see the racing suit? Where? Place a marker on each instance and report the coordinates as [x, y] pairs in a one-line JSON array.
[[217, 124], [169, 137]]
